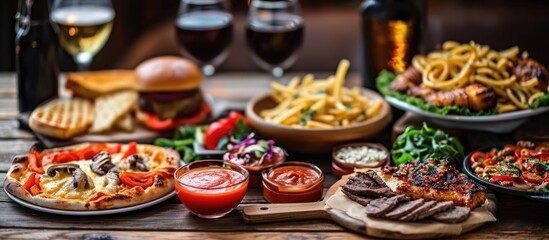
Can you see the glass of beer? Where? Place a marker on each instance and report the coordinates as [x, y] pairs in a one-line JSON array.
[[274, 32], [204, 31], [83, 27]]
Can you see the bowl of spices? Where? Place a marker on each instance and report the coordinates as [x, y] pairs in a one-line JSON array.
[[293, 182], [347, 157]]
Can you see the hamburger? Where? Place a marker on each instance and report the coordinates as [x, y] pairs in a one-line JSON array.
[[169, 93]]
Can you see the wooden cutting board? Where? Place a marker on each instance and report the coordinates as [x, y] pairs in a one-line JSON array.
[[265, 213]]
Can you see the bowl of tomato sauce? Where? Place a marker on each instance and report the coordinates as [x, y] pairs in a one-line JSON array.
[[293, 182], [211, 188]]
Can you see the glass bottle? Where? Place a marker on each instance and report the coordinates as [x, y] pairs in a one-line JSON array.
[[36, 55], [390, 36]]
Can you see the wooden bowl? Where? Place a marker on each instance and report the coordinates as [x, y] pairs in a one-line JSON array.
[[340, 167], [305, 140]]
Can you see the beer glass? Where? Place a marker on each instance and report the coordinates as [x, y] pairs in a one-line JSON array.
[[274, 32], [205, 31], [83, 27]]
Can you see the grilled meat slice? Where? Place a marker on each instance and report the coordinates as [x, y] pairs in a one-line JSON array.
[[368, 191], [454, 215], [480, 96], [527, 69], [456, 97], [474, 96], [403, 208], [364, 201], [406, 79], [420, 92], [430, 181], [380, 206], [439, 207], [417, 211], [373, 175]]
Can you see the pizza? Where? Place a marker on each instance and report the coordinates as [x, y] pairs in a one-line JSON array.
[[93, 176]]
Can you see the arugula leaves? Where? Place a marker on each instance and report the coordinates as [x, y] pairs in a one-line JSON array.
[[420, 144]]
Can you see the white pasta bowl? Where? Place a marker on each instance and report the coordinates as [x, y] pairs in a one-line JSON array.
[[305, 140], [500, 123]]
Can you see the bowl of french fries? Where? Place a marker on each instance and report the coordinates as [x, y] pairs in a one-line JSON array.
[[311, 115]]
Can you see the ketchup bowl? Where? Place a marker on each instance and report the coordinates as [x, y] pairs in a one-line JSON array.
[[293, 182], [211, 188]]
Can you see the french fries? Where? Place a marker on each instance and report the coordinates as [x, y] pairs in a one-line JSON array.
[[320, 103]]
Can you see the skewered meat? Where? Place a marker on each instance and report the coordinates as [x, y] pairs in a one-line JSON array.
[[527, 69], [474, 96]]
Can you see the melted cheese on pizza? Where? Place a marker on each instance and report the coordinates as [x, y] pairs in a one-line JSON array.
[[60, 186]]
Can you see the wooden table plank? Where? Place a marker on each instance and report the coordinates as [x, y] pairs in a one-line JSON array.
[[163, 216], [72, 234], [9, 129]]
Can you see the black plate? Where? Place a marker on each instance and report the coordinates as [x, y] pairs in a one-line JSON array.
[[534, 195]]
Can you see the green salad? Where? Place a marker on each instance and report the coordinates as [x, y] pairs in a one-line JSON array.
[[420, 144], [385, 78]]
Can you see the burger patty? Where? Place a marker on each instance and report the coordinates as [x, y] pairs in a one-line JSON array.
[[171, 104]]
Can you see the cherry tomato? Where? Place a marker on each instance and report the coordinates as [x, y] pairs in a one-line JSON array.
[[215, 131], [235, 116]]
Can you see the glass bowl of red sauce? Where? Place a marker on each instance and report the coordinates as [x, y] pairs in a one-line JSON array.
[[211, 188], [293, 182]]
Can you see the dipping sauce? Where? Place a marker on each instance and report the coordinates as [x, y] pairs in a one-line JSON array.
[[211, 188], [293, 182]]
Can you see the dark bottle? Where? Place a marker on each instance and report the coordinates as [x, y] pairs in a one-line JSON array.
[[36, 55], [390, 36]]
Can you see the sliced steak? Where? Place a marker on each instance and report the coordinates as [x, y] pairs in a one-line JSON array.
[[368, 191], [380, 206], [419, 210], [361, 182], [403, 208], [440, 207], [364, 201], [454, 215], [373, 175]]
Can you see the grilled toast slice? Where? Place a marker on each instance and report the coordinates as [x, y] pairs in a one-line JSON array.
[[96, 83], [62, 118]]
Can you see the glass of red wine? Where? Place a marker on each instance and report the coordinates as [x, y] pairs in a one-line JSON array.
[[274, 32], [205, 31]]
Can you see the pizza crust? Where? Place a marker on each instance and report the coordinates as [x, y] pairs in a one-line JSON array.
[[124, 197]]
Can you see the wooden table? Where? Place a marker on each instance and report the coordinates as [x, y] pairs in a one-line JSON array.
[[518, 218]]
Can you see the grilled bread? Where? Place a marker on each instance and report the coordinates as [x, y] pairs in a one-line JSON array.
[[62, 118], [111, 108], [96, 83]]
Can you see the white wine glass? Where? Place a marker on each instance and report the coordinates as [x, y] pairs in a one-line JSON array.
[[83, 26], [274, 33], [204, 32]]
